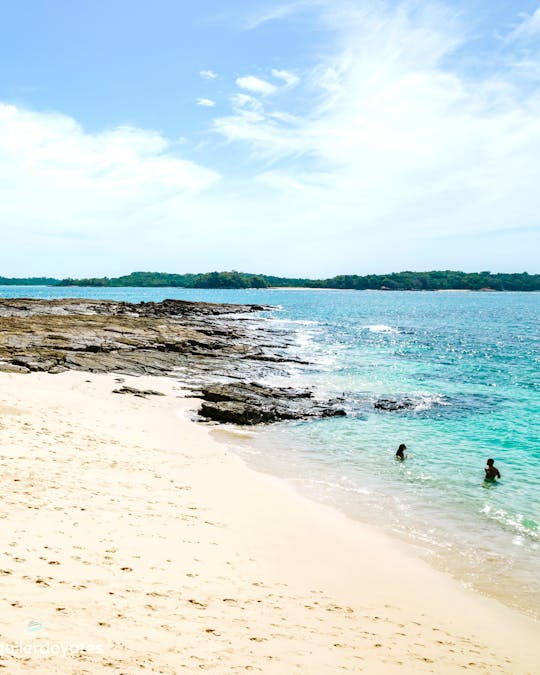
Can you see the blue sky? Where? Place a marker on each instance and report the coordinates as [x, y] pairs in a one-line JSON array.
[[307, 137]]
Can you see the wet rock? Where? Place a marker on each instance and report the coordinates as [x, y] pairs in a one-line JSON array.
[[393, 404]]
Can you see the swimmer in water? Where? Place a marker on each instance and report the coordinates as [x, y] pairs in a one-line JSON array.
[[492, 473], [400, 454]]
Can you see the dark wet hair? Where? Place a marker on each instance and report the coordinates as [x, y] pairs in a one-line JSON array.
[[402, 447], [490, 461]]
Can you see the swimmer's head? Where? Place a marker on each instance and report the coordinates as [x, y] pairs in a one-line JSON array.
[[490, 462]]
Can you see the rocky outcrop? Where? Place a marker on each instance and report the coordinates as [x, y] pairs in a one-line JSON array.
[[217, 348], [252, 403], [105, 336]]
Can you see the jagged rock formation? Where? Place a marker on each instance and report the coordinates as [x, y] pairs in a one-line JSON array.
[[200, 344]]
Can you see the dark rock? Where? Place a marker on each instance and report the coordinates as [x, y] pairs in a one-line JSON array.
[[252, 392], [252, 403], [393, 404], [236, 412]]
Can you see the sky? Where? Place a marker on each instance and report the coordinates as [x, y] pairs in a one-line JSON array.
[[296, 138]]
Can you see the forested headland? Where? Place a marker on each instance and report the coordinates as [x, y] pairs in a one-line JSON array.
[[444, 280]]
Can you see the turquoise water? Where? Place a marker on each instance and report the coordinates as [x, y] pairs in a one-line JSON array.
[[468, 361]]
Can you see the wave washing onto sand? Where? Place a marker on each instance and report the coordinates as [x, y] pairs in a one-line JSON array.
[[522, 526], [339, 485]]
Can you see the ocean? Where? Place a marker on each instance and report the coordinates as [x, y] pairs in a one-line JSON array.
[[468, 365]]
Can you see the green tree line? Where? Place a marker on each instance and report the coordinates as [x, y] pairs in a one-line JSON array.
[[441, 280]]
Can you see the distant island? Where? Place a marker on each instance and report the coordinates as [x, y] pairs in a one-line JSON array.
[[445, 280]]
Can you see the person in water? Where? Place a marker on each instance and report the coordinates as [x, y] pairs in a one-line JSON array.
[[491, 471], [400, 454]]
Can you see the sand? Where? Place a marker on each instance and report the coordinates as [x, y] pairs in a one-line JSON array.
[[132, 541]]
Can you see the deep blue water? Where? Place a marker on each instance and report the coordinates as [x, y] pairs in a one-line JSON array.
[[468, 361]]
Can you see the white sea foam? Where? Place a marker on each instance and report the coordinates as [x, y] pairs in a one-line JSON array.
[[428, 401], [379, 328], [299, 322]]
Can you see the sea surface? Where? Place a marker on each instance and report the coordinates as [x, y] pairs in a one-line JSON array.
[[469, 363]]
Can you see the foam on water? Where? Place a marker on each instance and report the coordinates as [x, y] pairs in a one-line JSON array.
[[380, 328], [297, 322]]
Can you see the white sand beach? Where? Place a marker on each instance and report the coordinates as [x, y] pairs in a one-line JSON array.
[[135, 542]]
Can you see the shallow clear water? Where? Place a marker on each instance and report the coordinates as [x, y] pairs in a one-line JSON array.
[[468, 361]]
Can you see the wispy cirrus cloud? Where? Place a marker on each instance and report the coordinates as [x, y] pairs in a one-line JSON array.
[[278, 12], [527, 28], [396, 138], [208, 74]]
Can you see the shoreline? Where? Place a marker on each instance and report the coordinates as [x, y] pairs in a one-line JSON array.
[[131, 528], [506, 580]]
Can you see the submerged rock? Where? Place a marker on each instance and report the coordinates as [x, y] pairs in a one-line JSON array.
[[415, 402], [392, 404]]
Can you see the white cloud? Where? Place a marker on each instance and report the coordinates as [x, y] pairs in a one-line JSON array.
[[283, 116], [246, 102], [257, 85], [290, 79], [206, 102], [208, 74], [56, 180]]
